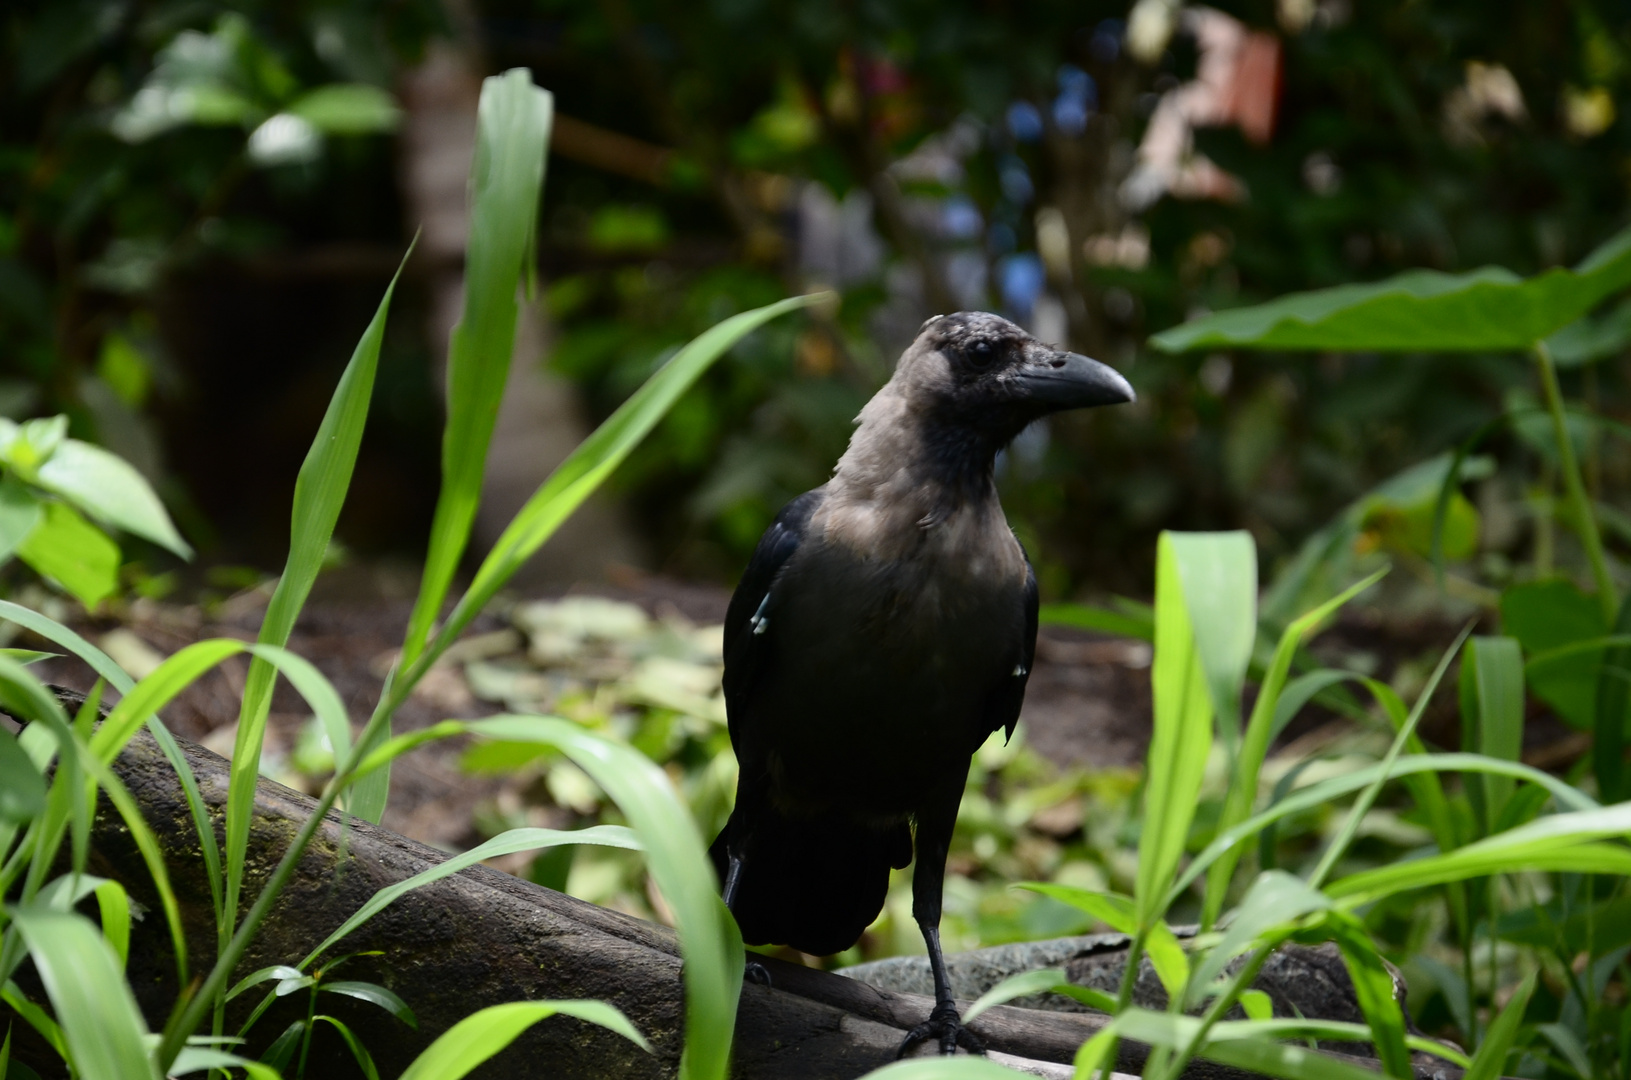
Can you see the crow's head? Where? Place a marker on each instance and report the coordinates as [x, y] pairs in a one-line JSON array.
[[978, 371]]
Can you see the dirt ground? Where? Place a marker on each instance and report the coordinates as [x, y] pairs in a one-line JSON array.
[[1088, 703]]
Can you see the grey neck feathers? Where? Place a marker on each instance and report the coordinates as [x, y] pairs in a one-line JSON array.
[[897, 452]]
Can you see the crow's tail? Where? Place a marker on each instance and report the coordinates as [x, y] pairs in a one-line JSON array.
[[812, 883]]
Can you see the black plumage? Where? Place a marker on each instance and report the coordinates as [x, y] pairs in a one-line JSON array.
[[883, 629]]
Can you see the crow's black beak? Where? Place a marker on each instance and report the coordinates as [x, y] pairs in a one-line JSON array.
[[1062, 380]]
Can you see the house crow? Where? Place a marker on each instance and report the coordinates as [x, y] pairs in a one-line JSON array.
[[883, 629]]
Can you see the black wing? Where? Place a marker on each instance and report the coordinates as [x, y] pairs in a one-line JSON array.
[[1003, 708], [752, 603]]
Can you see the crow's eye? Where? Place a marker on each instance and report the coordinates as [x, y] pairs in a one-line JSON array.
[[981, 354]]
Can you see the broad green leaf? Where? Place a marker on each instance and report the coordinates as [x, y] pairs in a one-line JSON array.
[[1024, 984], [481, 1035], [1219, 576], [1256, 1005], [1587, 340], [503, 844], [109, 488], [677, 860], [1419, 311], [1490, 1061], [1181, 741], [1492, 717], [20, 511], [82, 976], [1546, 615], [1613, 694], [74, 553], [576, 478], [1274, 901], [347, 109], [22, 788], [374, 994], [1397, 513]]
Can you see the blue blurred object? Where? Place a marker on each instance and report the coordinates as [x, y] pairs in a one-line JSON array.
[[960, 218], [1078, 97], [1105, 46], [1021, 279], [1015, 179], [1069, 115], [1001, 239], [1024, 121]]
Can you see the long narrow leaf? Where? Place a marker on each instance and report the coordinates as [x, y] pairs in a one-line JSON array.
[[481, 1035], [100, 1021], [513, 122], [678, 862], [1180, 743], [1260, 731], [587, 467]]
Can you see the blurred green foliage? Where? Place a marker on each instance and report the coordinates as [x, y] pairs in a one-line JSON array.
[[956, 154]]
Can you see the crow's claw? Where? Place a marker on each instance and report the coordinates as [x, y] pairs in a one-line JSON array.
[[943, 1024], [756, 973]]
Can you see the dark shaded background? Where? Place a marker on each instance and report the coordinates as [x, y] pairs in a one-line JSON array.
[[695, 139]]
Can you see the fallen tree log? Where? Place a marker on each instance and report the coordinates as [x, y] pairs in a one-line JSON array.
[[481, 937]]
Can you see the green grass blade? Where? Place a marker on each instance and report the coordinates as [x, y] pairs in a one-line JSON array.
[[512, 136], [198, 1058], [54, 631], [1024, 984], [1490, 1061], [587, 467], [481, 1035], [1492, 717], [1260, 731], [1274, 900], [513, 123], [147, 697], [320, 491], [35, 1017], [1099, 619], [1561, 841], [1181, 741], [365, 1060], [101, 1024], [1237, 1044], [503, 844], [1367, 798], [113, 905], [677, 859], [1335, 788], [1373, 987]]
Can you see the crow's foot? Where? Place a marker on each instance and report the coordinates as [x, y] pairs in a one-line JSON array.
[[945, 1025], [756, 973]]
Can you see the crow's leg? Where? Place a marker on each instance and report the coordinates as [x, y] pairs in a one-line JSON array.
[[934, 829], [736, 861]]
